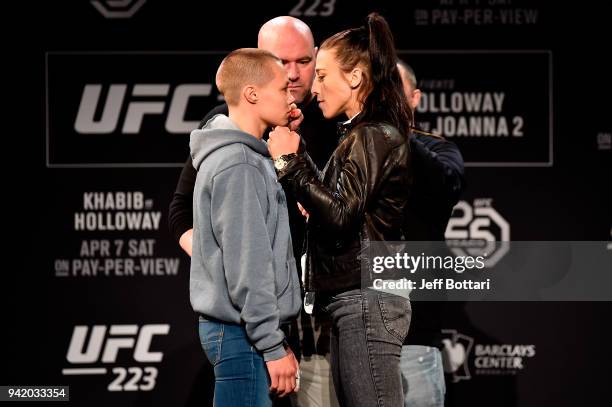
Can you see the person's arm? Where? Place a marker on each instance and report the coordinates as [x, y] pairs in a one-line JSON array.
[[180, 213], [441, 168], [340, 209]]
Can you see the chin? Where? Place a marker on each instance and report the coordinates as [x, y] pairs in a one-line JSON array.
[[328, 114], [328, 111]]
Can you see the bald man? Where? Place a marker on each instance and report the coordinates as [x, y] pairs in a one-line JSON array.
[[291, 40], [243, 280]]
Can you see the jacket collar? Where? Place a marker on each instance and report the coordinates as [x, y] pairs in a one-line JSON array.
[[344, 128]]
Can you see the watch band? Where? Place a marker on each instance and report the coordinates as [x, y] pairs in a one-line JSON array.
[[281, 162]]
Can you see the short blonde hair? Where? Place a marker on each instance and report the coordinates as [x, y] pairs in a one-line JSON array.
[[244, 66]]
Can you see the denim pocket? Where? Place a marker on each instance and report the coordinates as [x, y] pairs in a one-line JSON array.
[[395, 312], [211, 338]]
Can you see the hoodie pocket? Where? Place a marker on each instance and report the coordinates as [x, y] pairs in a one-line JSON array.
[[284, 278], [289, 296]]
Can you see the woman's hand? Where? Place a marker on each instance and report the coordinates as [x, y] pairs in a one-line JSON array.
[[303, 211], [283, 141], [296, 117]]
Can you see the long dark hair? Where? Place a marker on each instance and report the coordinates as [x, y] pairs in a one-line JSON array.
[[382, 93]]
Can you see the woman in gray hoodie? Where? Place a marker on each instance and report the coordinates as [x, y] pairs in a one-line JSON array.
[[243, 275]]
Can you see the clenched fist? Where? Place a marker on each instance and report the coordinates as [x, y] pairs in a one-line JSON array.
[[283, 141]]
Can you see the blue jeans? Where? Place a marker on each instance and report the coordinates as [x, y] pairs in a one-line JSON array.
[[368, 329], [422, 376], [241, 375]]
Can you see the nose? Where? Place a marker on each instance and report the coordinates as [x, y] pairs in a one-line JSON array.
[[315, 88], [292, 71]]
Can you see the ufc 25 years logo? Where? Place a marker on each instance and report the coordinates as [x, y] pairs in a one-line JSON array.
[[100, 345], [478, 230]]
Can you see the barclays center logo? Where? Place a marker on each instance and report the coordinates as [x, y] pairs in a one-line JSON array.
[[455, 354], [464, 356]]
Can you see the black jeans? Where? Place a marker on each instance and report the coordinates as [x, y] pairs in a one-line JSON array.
[[368, 330]]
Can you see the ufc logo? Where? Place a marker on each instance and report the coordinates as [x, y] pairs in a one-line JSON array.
[[107, 345], [85, 122]]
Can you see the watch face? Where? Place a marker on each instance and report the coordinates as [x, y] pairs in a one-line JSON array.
[[279, 164]]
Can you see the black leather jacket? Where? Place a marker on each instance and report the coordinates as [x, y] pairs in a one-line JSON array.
[[360, 196]]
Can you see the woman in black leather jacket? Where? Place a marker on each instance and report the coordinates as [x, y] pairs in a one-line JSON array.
[[359, 197]]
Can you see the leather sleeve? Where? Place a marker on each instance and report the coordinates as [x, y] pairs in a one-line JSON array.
[[340, 209]]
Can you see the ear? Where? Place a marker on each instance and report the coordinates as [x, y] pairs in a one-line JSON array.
[[249, 93], [316, 50], [416, 98], [355, 77]]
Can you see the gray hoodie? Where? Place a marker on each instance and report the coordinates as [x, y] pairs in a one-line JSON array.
[[242, 267]]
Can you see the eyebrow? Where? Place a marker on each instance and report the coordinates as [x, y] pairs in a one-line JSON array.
[[304, 58], [319, 69]]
